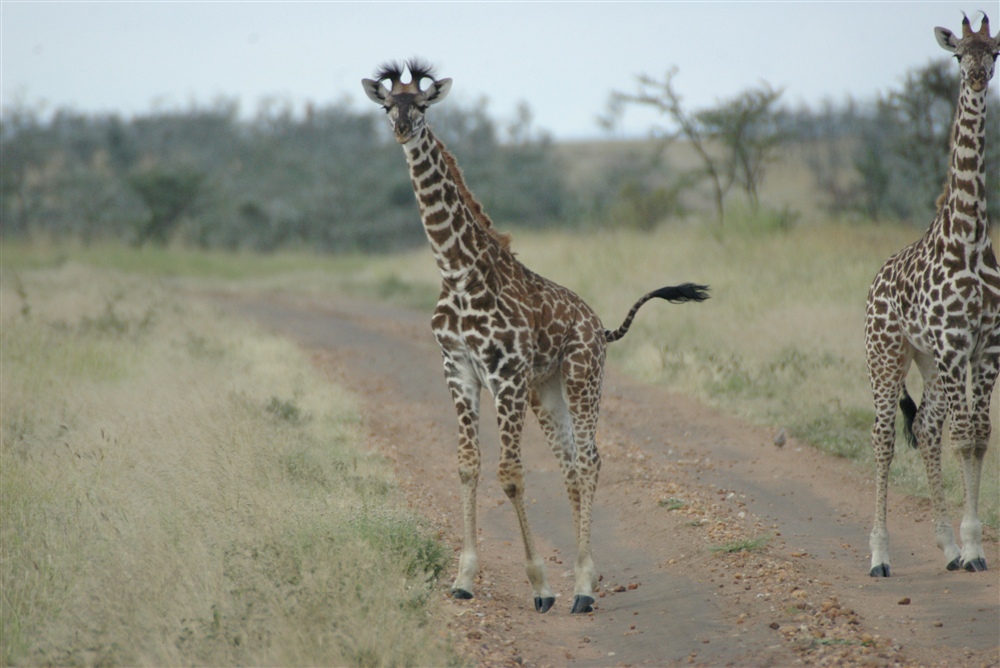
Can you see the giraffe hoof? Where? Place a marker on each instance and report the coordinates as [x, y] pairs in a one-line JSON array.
[[544, 604], [880, 571], [976, 565], [582, 604], [461, 594], [955, 564]]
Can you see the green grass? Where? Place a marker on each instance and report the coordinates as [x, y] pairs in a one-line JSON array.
[[744, 545], [179, 488], [673, 504]]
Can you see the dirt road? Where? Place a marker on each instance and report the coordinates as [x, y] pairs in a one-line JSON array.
[[679, 481]]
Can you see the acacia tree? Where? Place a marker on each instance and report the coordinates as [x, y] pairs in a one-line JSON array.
[[745, 127]]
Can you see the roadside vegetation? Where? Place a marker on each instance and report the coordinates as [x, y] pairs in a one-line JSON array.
[[177, 488]]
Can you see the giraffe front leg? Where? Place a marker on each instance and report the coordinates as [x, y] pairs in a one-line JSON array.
[[468, 560], [466, 393]]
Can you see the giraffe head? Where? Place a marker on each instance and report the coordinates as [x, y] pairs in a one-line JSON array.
[[976, 51], [406, 103]]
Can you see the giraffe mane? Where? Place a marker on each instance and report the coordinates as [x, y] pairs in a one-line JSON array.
[[474, 205]]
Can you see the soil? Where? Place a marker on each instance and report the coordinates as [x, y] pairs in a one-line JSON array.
[[680, 484]]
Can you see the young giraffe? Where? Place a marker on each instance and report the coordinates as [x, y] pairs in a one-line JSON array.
[[501, 326], [938, 302]]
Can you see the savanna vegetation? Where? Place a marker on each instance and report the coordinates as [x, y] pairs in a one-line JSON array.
[[178, 488], [331, 178]]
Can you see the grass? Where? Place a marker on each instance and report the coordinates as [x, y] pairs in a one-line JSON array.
[[744, 545], [178, 488], [673, 503]]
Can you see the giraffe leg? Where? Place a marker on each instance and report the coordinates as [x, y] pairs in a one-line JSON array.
[[511, 406], [553, 415], [883, 445], [888, 359], [557, 422], [466, 393], [583, 375], [940, 392], [984, 376]]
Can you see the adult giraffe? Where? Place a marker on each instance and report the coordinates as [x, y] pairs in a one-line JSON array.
[[501, 326], [938, 302]]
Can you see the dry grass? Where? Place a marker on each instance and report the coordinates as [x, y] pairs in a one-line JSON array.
[[180, 489]]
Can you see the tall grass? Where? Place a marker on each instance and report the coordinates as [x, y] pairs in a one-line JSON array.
[[177, 488]]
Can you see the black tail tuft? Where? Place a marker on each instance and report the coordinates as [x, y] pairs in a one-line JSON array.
[[676, 294], [686, 292], [909, 408]]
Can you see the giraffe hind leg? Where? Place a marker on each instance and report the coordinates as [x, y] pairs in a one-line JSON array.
[[941, 393], [888, 357], [984, 375], [584, 402], [511, 407]]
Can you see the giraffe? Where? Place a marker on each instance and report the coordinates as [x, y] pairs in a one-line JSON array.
[[937, 302], [500, 326]]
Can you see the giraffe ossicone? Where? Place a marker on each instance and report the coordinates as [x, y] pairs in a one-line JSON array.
[[937, 303], [504, 328]]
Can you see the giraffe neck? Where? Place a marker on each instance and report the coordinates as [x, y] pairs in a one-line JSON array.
[[453, 221], [962, 216]]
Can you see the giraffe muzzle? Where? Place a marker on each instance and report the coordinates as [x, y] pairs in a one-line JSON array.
[[978, 79]]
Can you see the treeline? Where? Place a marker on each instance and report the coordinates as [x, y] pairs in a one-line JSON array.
[[887, 158], [333, 179], [328, 178]]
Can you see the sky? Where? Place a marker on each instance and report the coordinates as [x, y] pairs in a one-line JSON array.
[[562, 59]]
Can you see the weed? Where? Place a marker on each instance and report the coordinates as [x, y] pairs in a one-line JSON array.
[[745, 545], [673, 503], [402, 537], [839, 431], [837, 641], [285, 410]]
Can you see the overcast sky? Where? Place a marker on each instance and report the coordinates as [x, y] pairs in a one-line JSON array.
[[562, 58]]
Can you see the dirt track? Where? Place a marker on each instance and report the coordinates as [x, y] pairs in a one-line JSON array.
[[666, 598]]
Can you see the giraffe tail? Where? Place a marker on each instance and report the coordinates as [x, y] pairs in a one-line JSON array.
[[675, 294], [909, 408]]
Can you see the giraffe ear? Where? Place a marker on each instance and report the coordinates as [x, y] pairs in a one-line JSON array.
[[946, 39], [375, 91], [437, 91]]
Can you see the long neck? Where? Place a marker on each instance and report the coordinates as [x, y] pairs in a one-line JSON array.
[[451, 216], [962, 215]]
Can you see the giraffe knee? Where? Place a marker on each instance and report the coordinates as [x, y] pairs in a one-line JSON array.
[[511, 489], [469, 475]]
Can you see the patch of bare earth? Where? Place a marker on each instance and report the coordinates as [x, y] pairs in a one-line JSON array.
[[683, 489]]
